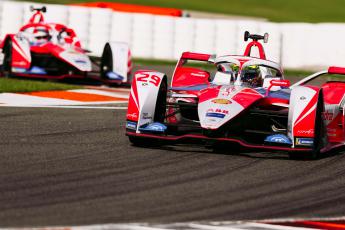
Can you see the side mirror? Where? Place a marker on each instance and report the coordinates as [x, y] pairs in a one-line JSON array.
[[280, 83]]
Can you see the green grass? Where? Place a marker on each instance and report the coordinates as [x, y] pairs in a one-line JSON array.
[[142, 61], [273, 10], [15, 85], [297, 73]]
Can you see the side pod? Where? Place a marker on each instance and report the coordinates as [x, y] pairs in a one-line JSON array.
[[147, 99], [306, 126]]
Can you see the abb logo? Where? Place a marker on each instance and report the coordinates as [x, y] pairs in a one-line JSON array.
[[226, 112], [147, 78]]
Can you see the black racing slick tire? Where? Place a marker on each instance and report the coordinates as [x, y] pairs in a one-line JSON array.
[[320, 129], [7, 63], [106, 61], [161, 103]]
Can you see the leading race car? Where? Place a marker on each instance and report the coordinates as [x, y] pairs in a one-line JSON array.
[[50, 50], [244, 101]]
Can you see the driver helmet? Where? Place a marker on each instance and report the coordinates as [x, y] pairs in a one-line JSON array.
[[251, 75], [41, 36]]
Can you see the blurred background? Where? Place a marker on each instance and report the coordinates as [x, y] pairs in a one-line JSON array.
[[304, 34]]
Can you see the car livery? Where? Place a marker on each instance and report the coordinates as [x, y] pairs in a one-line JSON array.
[[238, 99], [53, 51]]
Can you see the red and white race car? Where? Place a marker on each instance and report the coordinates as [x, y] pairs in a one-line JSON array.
[[50, 50], [241, 100]]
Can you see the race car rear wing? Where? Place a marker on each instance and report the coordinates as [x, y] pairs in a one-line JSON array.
[[185, 75], [195, 56], [336, 70], [331, 70]]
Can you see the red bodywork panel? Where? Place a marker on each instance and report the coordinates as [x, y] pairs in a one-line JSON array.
[[190, 76], [336, 70], [185, 76], [195, 56]]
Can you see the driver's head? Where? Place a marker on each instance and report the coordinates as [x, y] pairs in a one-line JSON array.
[[251, 75], [41, 35]]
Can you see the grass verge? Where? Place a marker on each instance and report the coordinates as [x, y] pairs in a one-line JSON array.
[[15, 85]]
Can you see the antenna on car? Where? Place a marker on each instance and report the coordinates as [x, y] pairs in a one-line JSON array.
[[38, 15], [42, 9], [255, 37]]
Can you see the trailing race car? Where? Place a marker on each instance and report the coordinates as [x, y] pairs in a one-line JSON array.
[[245, 101], [50, 50]]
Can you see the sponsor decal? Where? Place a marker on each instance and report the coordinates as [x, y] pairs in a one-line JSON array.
[[81, 61], [278, 138], [131, 125], [327, 116], [198, 74], [132, 116], [218, 115], [37, 70], [154, 127], [304, 141], [228, 91], [223, 111], [18, 70], [221, 101], [146, 116], [19, 63], [306, 132]]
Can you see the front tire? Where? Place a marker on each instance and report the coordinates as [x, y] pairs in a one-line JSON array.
[[159, 116], [319, 134], [106, 61], [7, 63]]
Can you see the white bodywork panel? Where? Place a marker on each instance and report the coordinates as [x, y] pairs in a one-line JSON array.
[[300, 98], [147, 95], [22, 46], [77, 59], [120, 58]]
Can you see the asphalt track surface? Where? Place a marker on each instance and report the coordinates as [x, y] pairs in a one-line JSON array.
[[76, 167]]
